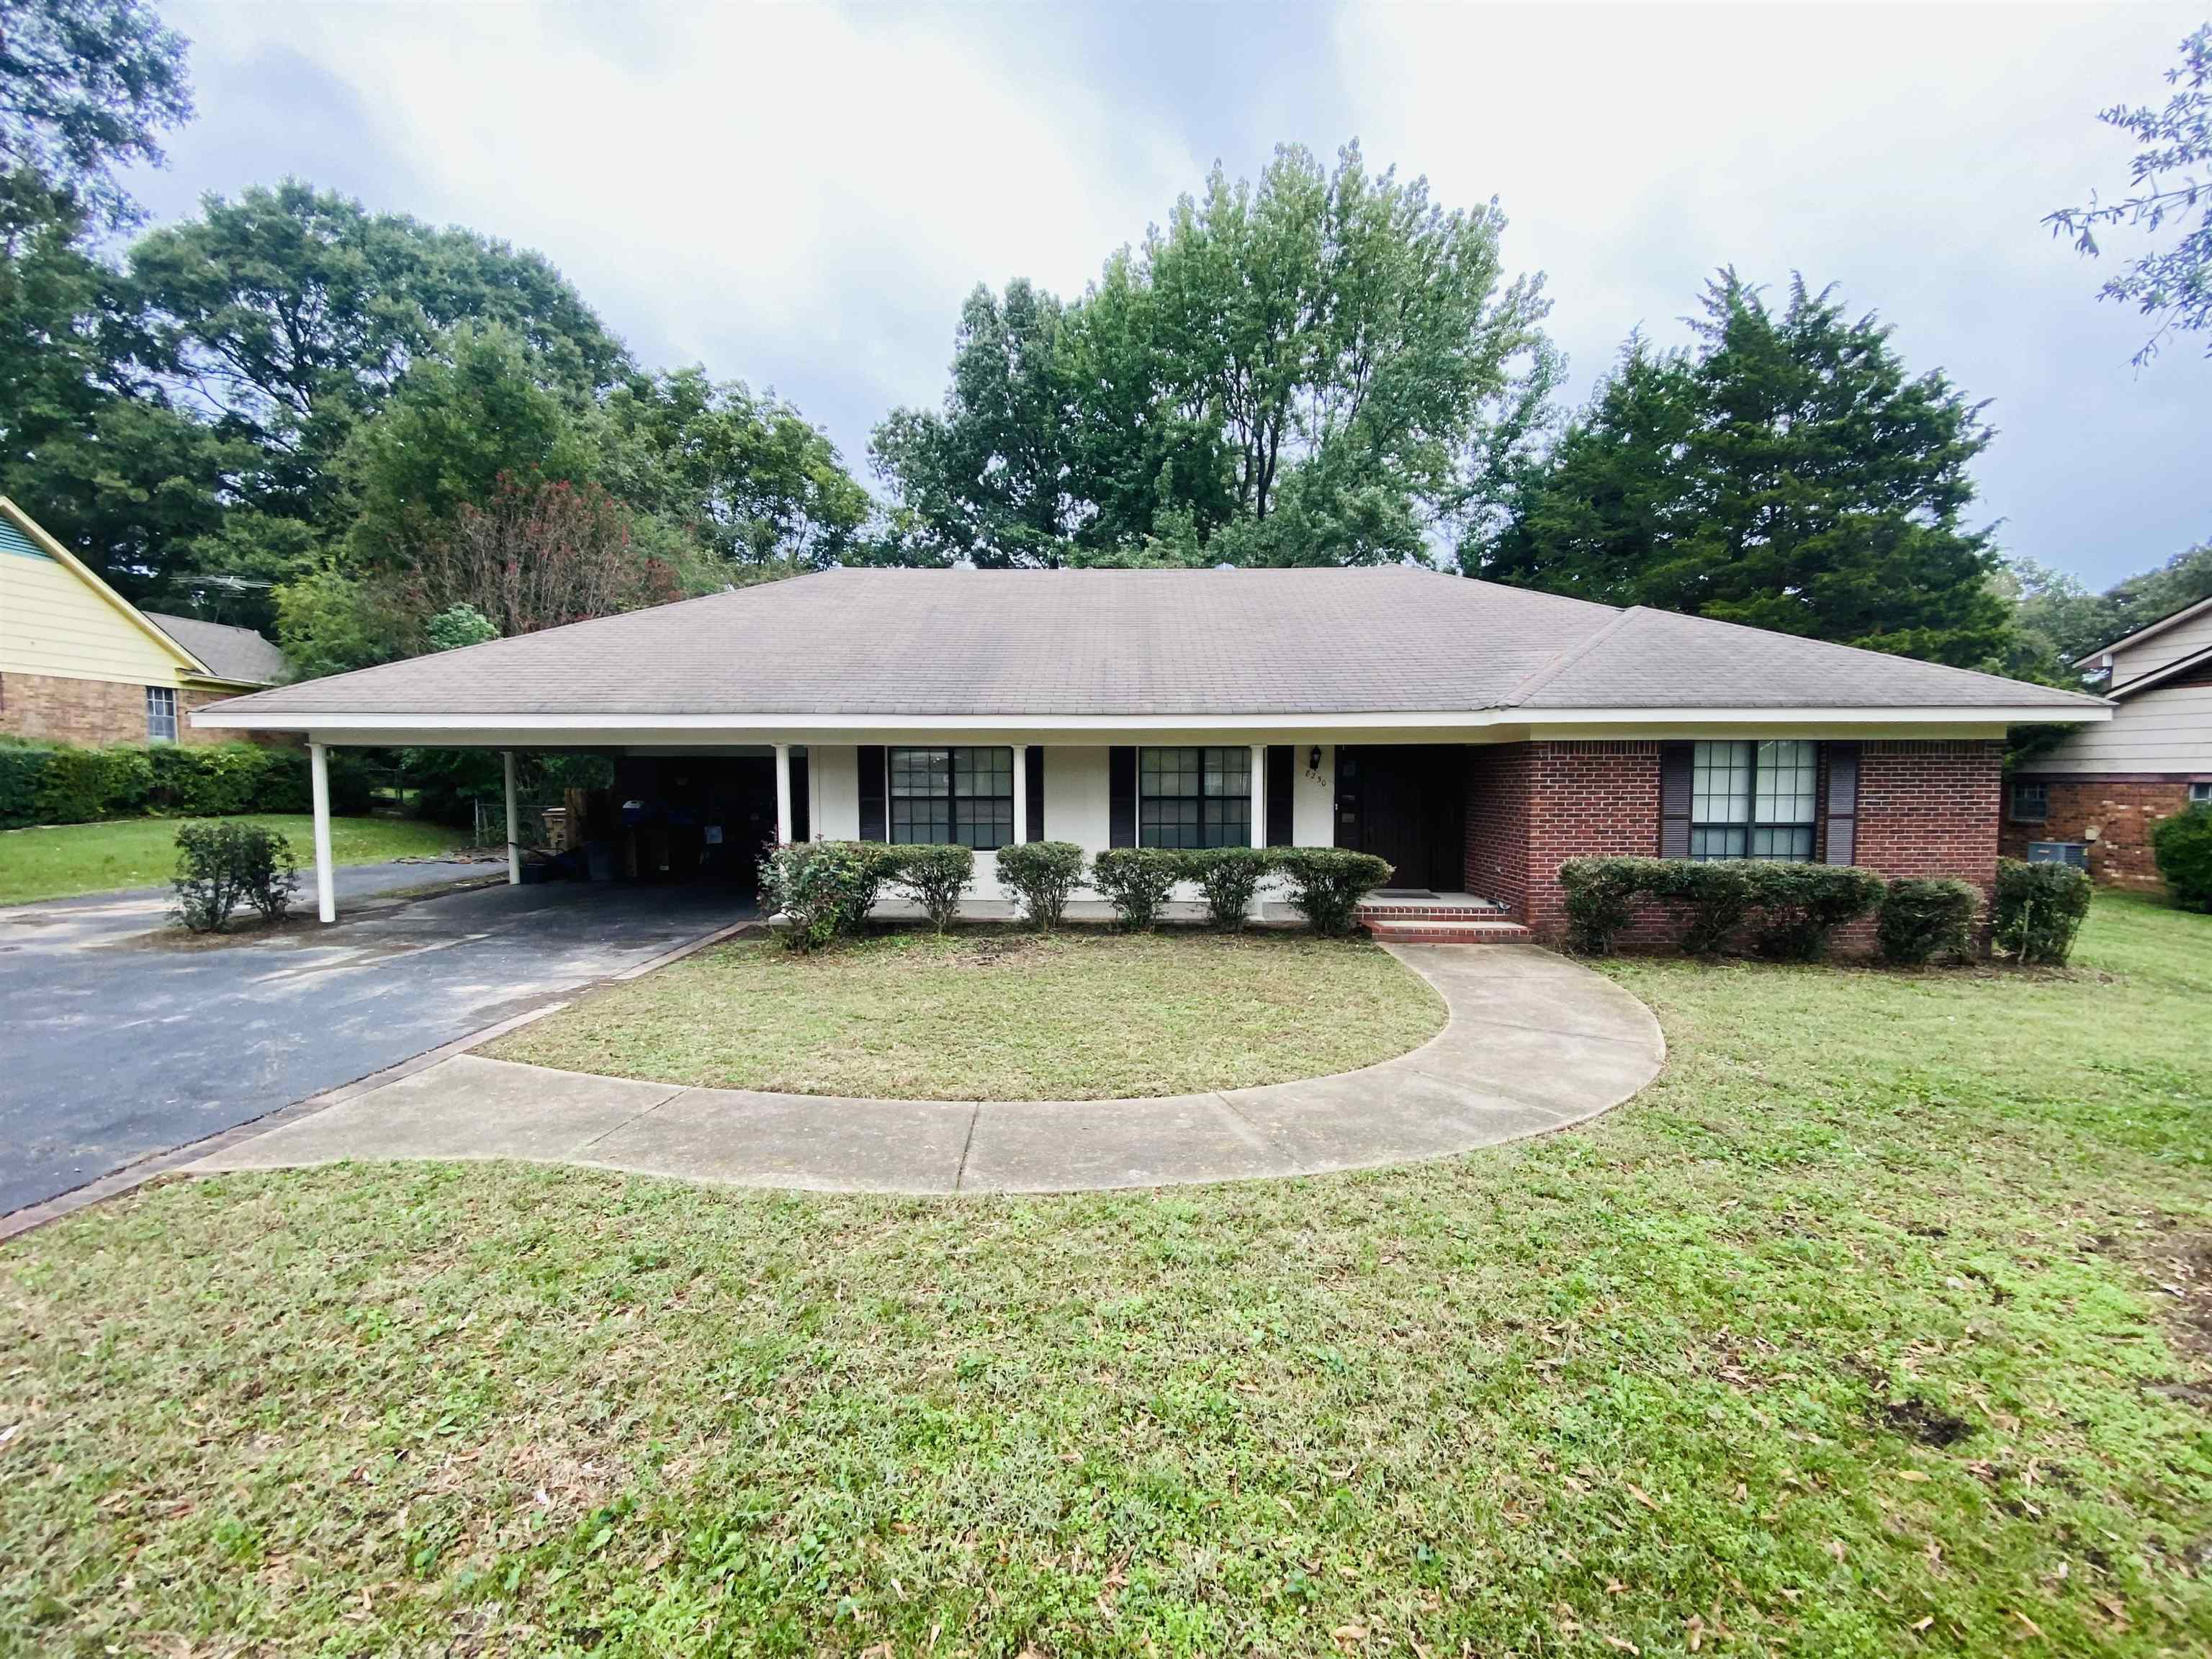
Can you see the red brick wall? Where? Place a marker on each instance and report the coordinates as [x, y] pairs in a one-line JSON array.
[[1924, 808], [2123, 811], [1497, 863]]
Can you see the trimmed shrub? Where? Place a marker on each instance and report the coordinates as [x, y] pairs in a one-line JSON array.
[[1924, 918], [2183, 844], [934, 877], [1718, 892], [62, 783], [1136, 881], [22, 774], [2040, 909], [219, 864], [82, 785], [825, 888], [1800, 905], [1328, 883], [1228, 876], [1600, 897], [1042, 874]]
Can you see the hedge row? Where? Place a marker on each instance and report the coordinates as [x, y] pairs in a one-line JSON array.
[[60, 783], [1793, 910], [826, 888], [2183, 844]]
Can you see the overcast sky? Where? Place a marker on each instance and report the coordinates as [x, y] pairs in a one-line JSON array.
[[800, 198]]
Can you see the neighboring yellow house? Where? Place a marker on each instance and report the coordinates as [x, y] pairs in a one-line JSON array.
[[79, 663]]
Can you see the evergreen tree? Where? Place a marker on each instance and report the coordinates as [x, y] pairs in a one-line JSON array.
[[1786, 473]]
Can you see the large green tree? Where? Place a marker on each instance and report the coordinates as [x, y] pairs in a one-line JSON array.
[[1787, 472], [1300, 370], [747, 476], [290, 314]]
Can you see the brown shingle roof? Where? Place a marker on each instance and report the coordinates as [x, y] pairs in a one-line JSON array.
[[1138, 642]]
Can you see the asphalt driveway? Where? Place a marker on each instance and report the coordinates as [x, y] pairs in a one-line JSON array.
[[119, 1042]]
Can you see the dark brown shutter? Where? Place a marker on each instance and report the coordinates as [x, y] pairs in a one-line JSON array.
[[1033, 763], [874, 821], [801, 829], [1843, 760], [1674, 775], [1121, 790], [1282, 764]]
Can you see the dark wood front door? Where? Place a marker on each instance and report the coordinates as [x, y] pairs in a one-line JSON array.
[[1405, 803]]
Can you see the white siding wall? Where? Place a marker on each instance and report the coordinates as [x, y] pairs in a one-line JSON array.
[[1313, 799], [52, 622], [2166, 730], [833, 786], [2185, 639]]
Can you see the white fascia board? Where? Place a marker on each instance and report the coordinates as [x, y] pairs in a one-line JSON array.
[[1498, 724]]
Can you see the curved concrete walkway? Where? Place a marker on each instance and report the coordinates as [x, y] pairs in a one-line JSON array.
[[1534, 1043]]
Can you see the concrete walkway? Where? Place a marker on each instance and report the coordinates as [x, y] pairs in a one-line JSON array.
[[1534, 1043]]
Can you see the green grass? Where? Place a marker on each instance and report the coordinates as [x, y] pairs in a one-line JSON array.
[[1846, 1338], [65, 860], [1081, 1015]]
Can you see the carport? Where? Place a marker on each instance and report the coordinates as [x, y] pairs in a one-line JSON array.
[[675, 813]]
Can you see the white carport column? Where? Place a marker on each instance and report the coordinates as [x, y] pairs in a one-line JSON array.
[[1021, 793], [319, 777], [1259, 794], [782, 792], [514, 847]]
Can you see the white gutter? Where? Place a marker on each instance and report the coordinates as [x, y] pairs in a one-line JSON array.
[[2086, 711]]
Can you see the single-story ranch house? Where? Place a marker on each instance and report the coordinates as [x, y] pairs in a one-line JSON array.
[[1475, 735]]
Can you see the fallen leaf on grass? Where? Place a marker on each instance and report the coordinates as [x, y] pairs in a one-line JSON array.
[[1643, 1498]]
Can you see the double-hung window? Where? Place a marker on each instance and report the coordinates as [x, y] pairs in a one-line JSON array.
[[161, 714], [1755, 801], [2031, 803], [964, 796], [2200, 795], [1194, 797]]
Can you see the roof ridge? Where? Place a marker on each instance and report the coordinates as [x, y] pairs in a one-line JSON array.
[[1565, 660]]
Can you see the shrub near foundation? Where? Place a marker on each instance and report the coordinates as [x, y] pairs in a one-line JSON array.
[[1229, 879], [2183, 844], [825, 888], [1797, 906], [1042, 874], [2040, 909], [1328, 883], [1923, 919], [1800, 905], [1601, 899], [1136, 881], [935, 876]]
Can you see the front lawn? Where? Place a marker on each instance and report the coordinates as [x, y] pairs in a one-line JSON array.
[[1081, 1015], [61, 860], [1877, 1325]]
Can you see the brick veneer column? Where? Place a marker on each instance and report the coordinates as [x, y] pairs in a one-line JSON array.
[[1496, 866]]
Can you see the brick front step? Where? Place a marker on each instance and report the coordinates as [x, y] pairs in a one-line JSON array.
[[1371, 911], [1462, 931]]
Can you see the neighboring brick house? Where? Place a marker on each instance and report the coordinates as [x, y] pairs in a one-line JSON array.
[[1473, 735], [79, 663], [2097, 795]]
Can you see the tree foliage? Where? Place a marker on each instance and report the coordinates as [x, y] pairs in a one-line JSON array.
[[1786, 473], [1297, 371], [86, 87], [2172, 284]]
